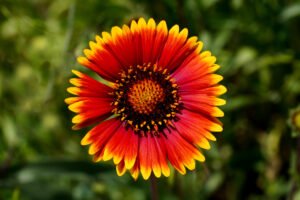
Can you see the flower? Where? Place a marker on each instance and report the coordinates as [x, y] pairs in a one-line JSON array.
[[156, 103]]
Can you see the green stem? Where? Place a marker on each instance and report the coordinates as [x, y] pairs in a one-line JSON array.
[[153, 188]]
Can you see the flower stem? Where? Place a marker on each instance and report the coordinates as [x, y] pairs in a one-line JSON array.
[[153, 188]]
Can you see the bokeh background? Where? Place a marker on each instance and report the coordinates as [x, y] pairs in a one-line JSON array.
[[257, 43]]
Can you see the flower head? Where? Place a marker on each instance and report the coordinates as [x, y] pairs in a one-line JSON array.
[[157, 104]]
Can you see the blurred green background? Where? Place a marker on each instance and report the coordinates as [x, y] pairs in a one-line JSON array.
[[257, 43]]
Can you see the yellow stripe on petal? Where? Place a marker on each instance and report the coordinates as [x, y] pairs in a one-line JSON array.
[[146, 172], [99, 40], [134, 174], [77, 119], [203, 143], [199, 47], [217, 112], [82, 60], [165, 170], [88, 53], [190, 164], [219, 102], [184, 33], [199, 156], [75, 81], [133, 26], [86, 140], [141, 23], [210, 136], [117, 159], [213, 68], [116, 32], [106, 37], [71, 100], [93, 45], [93, 149], [215, 78], [216, 128], [73, 90], [151, 23], [221, 90], [182, 170], [156, 171], [210, 60], [75, 107], [107, 154], [205, 54], [162, 26], [129, 162], [174, 30], [77, 73], [192, 40], [120, 170]]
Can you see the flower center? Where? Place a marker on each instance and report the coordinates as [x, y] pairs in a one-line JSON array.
[[144, 96], [146, 99]]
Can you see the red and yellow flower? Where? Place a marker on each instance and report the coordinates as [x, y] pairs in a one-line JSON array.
[[156, 103]]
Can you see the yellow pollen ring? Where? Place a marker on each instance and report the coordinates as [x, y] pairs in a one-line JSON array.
[[145, 95]]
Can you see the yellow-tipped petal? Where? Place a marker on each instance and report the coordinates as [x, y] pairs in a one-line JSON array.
[[157, 171], [146, 172], [134, 26], [93, 149], [190, 164], [210, 60], [129, 163], [76, 107], [162, 26], [73, 90], [107, 154], [217, 112], [77, 119], [214, 68], [184, 33], [71, 100], [216, 128], [120, 170], [165, 171], [199, 47], [116, 32], [203, 143], [210, 136], [93, 45], [99, 40], [174, 30], [117, 159], [82, 60], [77, 73], [135, 174], [86, 140], [215, 78], [199, 156], [106, 37], [75, 81], [141, 23], [221, 90], [220, 102], [151, 23], [205, 54]]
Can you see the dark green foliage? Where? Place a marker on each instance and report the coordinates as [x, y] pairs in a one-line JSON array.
[[257, 44]]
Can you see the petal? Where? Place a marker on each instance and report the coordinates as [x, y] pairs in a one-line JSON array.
[[88, 87], [153, 156], [120, 168], [144, 159], [132, 150], [100, 134], [162, 157]]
